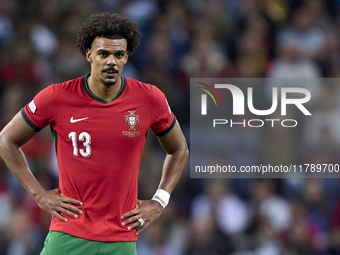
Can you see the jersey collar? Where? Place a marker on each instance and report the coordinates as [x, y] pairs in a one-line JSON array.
[[101, 100]]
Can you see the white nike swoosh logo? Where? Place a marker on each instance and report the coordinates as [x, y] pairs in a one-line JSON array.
[[76, 120]]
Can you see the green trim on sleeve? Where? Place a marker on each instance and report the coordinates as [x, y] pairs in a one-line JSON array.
[[28, 121], [168, 130], [55, 140]]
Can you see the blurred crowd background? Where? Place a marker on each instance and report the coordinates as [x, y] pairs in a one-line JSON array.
[[183, 39]]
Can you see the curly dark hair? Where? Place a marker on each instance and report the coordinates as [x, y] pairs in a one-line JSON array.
[[111, 26]]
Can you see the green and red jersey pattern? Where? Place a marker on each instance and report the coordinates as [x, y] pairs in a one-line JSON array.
[[99, 146]]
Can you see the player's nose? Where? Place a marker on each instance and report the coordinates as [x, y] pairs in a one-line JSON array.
[[111, 60]]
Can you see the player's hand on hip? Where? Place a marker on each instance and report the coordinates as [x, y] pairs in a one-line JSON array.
[[147, 210], [54, 202]]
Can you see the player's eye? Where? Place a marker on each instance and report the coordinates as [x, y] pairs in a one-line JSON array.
[[119, 55], [103, 54]]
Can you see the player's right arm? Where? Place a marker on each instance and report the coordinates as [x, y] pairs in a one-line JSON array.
[[12, 137]]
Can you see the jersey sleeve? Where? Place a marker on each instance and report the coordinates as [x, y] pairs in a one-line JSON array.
[[163, 119], [42, 109]]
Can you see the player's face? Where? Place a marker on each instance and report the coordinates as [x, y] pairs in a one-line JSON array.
[[107, 58]]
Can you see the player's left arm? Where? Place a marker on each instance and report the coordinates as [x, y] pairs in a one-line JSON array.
[[177, 153]]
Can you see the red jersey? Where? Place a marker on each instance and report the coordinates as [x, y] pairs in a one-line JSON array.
[[99, 146]]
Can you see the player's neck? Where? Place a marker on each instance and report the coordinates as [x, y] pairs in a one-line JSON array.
[[106, 92]]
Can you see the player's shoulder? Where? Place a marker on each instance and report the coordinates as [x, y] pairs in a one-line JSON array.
[[67, 85], [146, 88], [60, 90]]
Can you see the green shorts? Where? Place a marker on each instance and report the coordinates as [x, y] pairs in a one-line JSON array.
[[57, 243]]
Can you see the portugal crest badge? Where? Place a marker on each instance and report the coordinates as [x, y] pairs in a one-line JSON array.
[[132, 119]]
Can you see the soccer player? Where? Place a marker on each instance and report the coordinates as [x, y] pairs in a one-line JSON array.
[[99, 123]]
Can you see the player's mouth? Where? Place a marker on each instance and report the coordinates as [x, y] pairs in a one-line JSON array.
[[110, 72]]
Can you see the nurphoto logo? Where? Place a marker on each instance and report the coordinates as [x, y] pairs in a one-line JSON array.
[[238, 104]]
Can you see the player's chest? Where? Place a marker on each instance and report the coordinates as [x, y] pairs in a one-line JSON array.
[[104, 122]]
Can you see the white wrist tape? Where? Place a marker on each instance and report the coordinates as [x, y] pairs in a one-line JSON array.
[[162, 197]]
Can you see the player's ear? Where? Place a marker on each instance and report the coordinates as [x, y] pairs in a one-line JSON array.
[[88, 55]]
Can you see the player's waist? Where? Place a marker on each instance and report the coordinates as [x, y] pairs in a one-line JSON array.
[[99, 230]]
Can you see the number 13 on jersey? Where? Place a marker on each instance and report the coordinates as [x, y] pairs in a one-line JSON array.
[[83, 137]]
